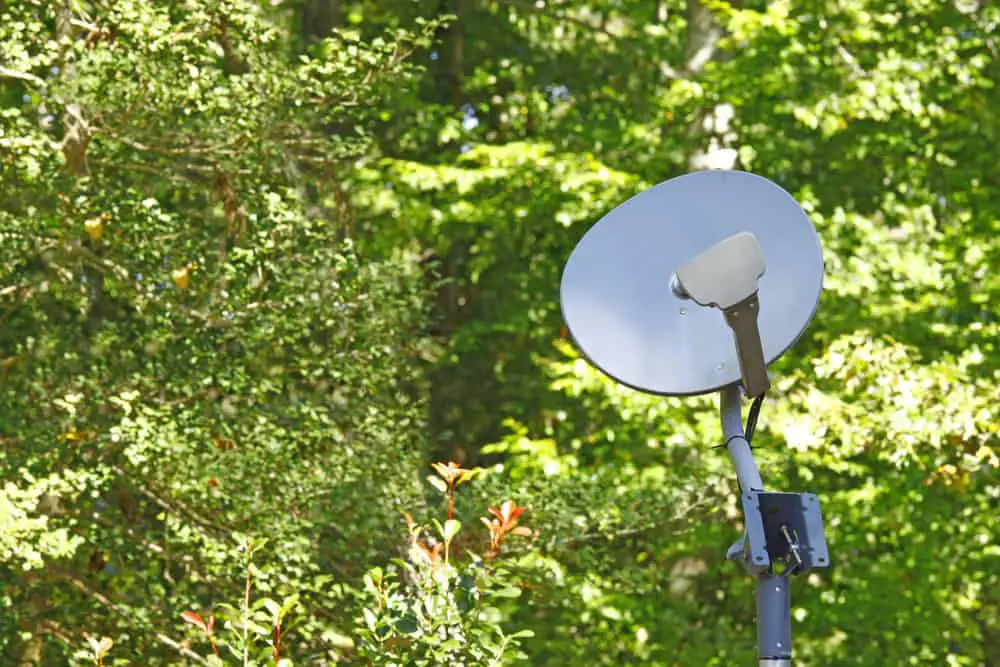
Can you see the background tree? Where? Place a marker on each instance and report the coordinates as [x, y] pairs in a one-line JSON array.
[[193, 353]]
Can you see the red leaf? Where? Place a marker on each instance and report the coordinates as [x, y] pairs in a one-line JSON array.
[[222, 443], [195, 619], [508, 513], [516, 513], [433, 555]]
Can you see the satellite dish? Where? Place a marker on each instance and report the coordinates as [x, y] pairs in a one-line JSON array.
[[625, 306], [642, 294]]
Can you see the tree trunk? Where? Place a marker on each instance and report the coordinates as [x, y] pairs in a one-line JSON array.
[[319, 18], [711, 127], [703, 33], [456, 60], [77, 137], [32, 652]]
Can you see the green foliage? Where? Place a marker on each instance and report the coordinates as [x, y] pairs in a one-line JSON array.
[[444, 623], [252, 280], [441, 608], [191, 346], [251, 634]]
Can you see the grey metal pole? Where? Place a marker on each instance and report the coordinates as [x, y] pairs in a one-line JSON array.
[[736, 443], [774, 622]]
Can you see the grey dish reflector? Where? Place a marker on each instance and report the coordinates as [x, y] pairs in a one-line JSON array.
[[632, 323]]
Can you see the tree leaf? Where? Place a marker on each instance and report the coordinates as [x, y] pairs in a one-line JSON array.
[[451, 528], [438, 483], [273, 607], [105, 646], [509, 592], [370, 619], [194, 619], [406, 625]]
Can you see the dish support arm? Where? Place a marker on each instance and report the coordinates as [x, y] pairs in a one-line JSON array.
[[774, 622]]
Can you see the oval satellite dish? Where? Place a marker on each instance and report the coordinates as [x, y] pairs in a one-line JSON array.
[[630, 315]]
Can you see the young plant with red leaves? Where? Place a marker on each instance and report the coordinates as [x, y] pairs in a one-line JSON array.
[[420, 551], [100, 648], [408, 616], [207, 628], [504, 523], [453, 475], [249, 630]]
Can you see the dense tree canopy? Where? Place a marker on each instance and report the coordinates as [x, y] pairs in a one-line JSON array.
[[262, 263]]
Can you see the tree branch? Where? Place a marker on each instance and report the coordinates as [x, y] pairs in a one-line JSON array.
[[7, 73], [560, 16], [186, 652], [175, 506], [90, 592]]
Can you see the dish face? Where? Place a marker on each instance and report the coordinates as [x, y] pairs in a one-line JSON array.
[[631, 324]]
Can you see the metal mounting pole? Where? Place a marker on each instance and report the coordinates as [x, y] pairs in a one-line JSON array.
[[736, 443], [774, 622]]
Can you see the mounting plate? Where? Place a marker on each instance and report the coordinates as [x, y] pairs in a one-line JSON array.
[[766, 512]]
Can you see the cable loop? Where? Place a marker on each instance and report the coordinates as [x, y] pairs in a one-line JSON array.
[[751, 426]]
